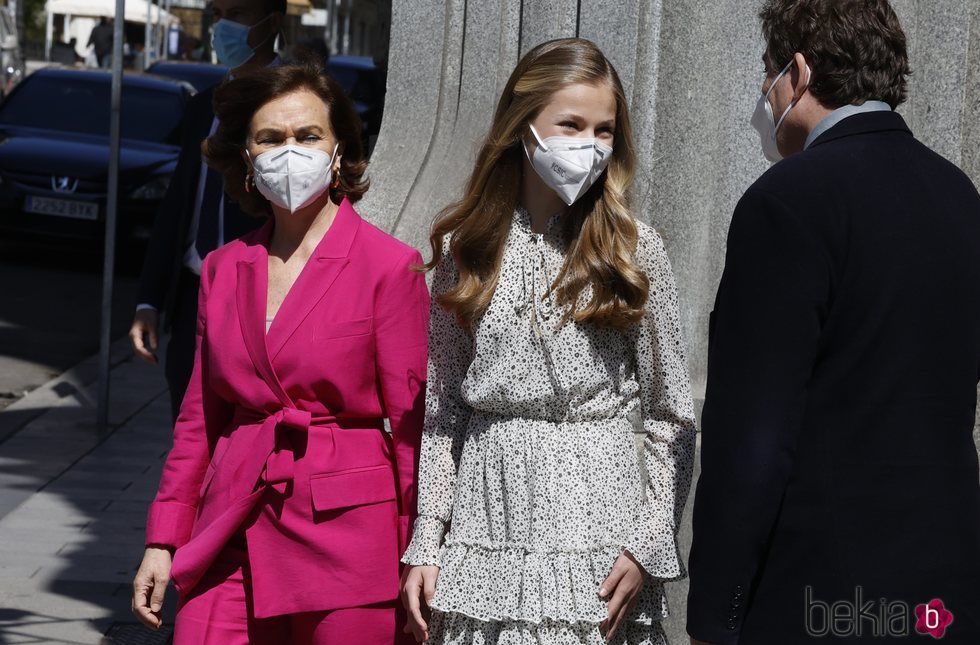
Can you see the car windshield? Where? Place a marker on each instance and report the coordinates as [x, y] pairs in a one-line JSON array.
[[82, 105]]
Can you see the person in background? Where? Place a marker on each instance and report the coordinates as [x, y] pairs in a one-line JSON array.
[[65, 53], [196, 216], [839, 498], [285, 502], [101, 40]]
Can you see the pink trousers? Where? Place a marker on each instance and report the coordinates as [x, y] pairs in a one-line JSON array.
[[218, 611]]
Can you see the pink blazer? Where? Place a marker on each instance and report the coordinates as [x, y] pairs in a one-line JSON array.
[[283, 433]]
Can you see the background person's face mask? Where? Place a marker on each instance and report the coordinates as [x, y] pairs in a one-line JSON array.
[[291, 177], [765, 123], [229, 39], [569, 165]]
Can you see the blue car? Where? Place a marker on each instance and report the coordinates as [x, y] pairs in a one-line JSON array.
[[54, 153], [201, 75]]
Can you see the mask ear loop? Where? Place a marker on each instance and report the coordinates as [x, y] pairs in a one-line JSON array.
[[250, 173], [275, 34], [541, 144], [336, 176], [781, 74]]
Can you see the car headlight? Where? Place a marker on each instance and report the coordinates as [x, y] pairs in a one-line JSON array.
[[156, 188]]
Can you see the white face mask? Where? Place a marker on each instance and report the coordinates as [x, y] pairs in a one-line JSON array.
[[293, 176], [569, 165], [765, 123]]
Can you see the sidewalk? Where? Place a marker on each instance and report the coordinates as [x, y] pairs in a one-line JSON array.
[[73, 506]]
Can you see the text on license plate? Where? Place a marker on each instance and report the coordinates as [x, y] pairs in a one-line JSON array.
[[61, 207]]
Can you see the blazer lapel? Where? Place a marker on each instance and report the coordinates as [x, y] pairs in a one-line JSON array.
[[321, 271], [250, 297]]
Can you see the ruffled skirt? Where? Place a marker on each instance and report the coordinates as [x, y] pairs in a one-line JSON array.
[[454, 629], [542, 510]]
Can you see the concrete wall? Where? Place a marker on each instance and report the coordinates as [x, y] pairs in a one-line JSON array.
[[692, 70]]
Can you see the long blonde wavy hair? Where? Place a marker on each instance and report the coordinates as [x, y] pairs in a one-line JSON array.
[[599, 227]]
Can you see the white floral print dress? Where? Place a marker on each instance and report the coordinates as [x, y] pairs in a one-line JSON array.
[[530, 479]]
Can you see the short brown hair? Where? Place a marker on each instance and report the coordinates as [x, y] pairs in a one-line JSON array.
[[237, 100], [856, 49]]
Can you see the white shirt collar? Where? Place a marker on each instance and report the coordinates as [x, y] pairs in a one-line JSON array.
[[842, 113]]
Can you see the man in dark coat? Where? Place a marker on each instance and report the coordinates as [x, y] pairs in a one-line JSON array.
[[195, 217], [839, 497]]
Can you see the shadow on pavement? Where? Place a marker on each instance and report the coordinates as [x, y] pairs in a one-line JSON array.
[[71, 531]]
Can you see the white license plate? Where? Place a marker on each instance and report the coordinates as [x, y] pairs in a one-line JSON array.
[[61, 207]]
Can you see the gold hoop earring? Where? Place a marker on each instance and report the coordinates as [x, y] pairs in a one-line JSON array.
[[249, 181], [336, 181]]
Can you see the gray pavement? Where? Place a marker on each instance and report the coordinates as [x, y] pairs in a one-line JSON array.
[[73, 503]]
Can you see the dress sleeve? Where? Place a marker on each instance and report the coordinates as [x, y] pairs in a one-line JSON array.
[[669, 431], [172, 513], [446, 418]]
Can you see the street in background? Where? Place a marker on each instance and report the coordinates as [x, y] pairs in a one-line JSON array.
[[54, 149]]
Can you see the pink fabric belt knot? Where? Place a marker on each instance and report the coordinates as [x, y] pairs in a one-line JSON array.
[[279, 465], [275, 438]]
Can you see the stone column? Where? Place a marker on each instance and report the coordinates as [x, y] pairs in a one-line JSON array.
[[692, 70]]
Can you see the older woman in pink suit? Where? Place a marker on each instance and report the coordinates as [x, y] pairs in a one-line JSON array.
[[285, 502]]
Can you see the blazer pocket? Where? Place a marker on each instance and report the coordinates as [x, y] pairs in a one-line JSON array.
[[344, 329], [355, 487]]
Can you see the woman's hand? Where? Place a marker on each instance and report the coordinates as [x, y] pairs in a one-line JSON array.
[[150, 585], [621, 586], [418, 583]]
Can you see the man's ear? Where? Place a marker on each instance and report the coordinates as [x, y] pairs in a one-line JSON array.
[[800, 76]]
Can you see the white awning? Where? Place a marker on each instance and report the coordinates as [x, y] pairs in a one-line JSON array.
[[135, 10]]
